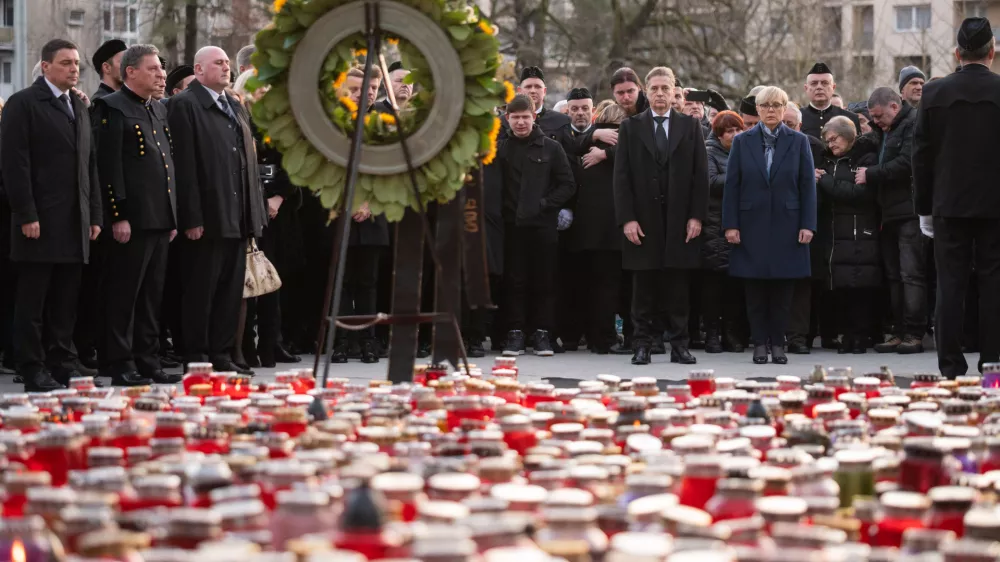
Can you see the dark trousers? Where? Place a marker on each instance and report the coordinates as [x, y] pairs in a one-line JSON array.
[[811, 314], [90, 319], [173, 289], [958, 243], [132, 299], [45, 310], [904, 254], [360, 290], [8, 284], [596, 276], [723, 303], [530, 257], [625, 306], [769, 305], [214, 271], [661, 293], [855, 311]]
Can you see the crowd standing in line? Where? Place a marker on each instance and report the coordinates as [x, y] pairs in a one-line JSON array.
[[125, 218]]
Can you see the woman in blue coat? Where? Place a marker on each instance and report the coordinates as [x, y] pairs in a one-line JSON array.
[[769, 215]]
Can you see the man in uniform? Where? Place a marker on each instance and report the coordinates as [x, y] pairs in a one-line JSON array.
[[219, 206], [178, 80], [135, 166], [955, 171], [107, 62], [552, 123], [50, 178], [819, 89]]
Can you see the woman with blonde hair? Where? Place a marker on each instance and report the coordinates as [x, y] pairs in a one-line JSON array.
[[769, 215]]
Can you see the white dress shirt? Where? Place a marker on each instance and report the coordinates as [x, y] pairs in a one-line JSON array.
[[665, 123], [57, 93]]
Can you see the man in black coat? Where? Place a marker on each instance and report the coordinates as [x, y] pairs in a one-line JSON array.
[[955, 170], [552, 123], [135, 165], [904, 248], [535, 183], [50, 177], [819, 89], [661, 199], [219, 206]]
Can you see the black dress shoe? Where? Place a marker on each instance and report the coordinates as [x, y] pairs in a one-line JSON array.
[[130, 378], [282, 355], [89, 359], [621, 349], [62, 376], [475, 350], [798, 347], [641, 356], [368, 353], [160, 377], [423, 351], [683, 356], [167, 362], [40, 382], [778, 356], [339, 353], [658, 348], [231, 367], [266, 361], [760, 354]]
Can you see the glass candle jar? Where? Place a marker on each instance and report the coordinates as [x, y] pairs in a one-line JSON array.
[[16, 485], [701, 381], [925, 380], [949, 505], [156, 490], [925, 465], [734, 499], [565, 524], [189, 527], [701, 474], [58, 450], [781, 509], [854, 474], [900, 511], [815, 480], [815, 395]]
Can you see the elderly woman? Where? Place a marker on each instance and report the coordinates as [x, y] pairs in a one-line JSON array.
[[722, 306], [849, 242], [769, 215]]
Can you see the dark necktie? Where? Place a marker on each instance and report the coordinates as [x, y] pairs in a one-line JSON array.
[[66, 107], [661, 136], [224, 105]]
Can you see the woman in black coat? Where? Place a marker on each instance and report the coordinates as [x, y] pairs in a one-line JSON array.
[[848, 234], [723, 307]]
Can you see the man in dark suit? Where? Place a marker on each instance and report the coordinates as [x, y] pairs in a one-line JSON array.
[[219, 206], [661, 199], [134, 163], [50, 176], [955, 170]]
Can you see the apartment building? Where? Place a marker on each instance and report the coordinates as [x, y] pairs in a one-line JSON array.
[[870, 41], [26, 25]]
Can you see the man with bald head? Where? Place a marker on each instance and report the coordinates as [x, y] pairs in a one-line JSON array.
[[219, 206]]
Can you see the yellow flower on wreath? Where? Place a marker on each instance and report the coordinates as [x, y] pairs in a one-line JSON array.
[[278, 5], [490, 155], [349, 104], [359, 52], [387, 119], [341, 78], [392, 41], [508, 91], [486, 28], [495, 129]]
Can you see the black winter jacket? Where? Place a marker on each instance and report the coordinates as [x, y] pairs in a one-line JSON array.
[[892, 175], [715, 250], [849, 221]]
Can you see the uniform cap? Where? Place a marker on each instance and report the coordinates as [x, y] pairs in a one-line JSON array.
[[974, 33], [104, 53]]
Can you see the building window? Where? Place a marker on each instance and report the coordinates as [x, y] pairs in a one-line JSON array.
[[133, 20], [832, 29], [975, 9], [913, 18], [6, 73], [8, 12], [107, 20], [75, 18]]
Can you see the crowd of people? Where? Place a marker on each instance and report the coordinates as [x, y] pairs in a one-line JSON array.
[[127, 215]]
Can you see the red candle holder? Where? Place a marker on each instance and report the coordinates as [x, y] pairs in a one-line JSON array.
[[701, 381], [926, 380], [701, 475], [900, 511], [17, 485]]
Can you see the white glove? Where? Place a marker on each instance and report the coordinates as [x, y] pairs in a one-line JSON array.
[[565, 219], [927, 226]]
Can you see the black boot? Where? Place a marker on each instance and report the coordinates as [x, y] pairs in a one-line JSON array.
[[712, 342], [474, 350], [41, 381], [731, 340], [339, 351], [368, 352]]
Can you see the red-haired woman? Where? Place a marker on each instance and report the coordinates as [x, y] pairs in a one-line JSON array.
[[723, 307]]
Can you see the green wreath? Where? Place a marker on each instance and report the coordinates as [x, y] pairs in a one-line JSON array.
[[441, 176]]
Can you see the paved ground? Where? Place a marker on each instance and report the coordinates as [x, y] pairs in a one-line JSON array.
[[566, 369]]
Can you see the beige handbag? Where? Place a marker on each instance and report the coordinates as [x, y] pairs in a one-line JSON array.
[[261, 277]]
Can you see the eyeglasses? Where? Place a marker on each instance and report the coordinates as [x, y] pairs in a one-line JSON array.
[[771, 106], [831, 138]]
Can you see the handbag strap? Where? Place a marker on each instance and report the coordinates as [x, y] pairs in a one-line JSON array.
[[252, 246]]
